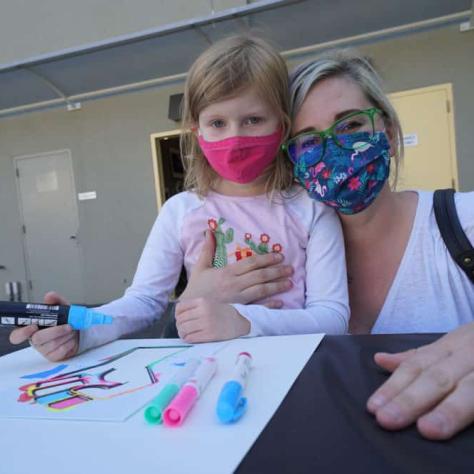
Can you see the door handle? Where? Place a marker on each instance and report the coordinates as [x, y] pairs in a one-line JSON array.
[[73, 237], [3, 267]]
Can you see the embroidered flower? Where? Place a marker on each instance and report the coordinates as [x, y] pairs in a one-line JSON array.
[[264, 238], [370, 168], [248, 236], [212, 223], [277, 248], [326, 173]]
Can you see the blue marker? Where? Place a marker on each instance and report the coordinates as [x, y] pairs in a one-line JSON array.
[[231, 405], [47, 315]]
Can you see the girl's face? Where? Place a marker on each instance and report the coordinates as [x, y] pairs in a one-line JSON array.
[[244, 115], [328, 101]]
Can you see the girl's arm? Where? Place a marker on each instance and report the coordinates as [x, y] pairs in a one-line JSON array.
[[156, 276], [326, 306]]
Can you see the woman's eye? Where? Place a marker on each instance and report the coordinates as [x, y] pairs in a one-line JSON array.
[[348, 127]]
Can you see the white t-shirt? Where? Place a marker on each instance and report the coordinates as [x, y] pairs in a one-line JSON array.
[[430, 292], [307, 232]]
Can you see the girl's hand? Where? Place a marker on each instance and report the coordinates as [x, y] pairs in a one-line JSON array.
[[201, 320], [55, 343], [244, 282], [432, 386]]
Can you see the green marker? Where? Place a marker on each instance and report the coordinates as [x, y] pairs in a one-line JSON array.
[[153, 412]]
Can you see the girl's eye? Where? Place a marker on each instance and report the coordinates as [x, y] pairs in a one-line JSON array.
[[217, 123], [253, 120]]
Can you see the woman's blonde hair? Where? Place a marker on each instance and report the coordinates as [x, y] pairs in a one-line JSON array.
[[223, 71], [352, 65]]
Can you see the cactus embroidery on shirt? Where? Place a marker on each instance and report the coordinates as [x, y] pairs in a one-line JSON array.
[[222, 239], [263, 246]]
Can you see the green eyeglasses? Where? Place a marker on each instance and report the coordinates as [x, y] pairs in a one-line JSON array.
[[342, 132]]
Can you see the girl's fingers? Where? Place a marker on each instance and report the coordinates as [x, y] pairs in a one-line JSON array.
[[187, 305], [52, 345], [65, 350], [188, 327], [50, 334], [19, 335]]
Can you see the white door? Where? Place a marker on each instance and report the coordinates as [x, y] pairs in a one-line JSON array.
[[50, 225]]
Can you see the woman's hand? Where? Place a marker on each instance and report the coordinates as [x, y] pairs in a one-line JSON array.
[[246, 281], [432, 385], [202, 320], [55, 343]]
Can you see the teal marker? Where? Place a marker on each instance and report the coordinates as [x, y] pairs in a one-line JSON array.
[[154, 411], [14, 314]]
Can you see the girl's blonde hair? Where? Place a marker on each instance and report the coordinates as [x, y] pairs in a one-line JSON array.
[[223, 71], [348, 63]]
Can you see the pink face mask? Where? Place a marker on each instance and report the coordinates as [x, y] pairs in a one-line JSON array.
[[241, 159]]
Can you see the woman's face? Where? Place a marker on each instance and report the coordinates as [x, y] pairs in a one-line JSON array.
[[346, 165], [328, 101]]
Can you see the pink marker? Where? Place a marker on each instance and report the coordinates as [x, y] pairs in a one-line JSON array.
[[176, 411]]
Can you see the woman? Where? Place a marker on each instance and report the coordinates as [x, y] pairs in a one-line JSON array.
[[401, 276]]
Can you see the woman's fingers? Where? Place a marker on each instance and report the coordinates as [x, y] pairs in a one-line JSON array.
[[453, 414], [432, 385], [391, 361], [406, 373], [255, 262], [264, 290]]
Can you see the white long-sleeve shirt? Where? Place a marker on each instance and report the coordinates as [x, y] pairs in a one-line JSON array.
[[306, 232]]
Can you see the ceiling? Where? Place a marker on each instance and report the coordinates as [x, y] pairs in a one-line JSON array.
[[63, 77]]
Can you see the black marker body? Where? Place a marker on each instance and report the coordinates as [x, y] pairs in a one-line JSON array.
[[23, 314]]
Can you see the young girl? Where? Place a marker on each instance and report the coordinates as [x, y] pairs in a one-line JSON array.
[[236, 115]]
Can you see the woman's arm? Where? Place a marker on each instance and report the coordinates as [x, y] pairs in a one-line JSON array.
[[246, 281]]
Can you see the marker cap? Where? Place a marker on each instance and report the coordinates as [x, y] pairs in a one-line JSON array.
[[176, 411], [154, 411], [81, 317], [231, 405]]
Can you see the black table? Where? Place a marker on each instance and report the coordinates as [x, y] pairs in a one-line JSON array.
[[322, 426]]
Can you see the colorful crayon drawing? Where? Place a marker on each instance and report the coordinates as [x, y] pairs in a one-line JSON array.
[[112, 377]]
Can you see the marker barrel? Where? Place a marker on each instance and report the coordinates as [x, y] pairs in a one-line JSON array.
[[14, 314]]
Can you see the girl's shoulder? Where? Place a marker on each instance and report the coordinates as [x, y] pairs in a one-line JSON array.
[[185, 201]]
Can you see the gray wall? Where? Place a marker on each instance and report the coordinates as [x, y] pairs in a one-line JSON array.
[[40, 27], [109, 143]]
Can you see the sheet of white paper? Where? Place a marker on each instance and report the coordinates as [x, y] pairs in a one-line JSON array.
[[201, 445]]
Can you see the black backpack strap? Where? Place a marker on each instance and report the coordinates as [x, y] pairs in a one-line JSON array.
[[453, 234]]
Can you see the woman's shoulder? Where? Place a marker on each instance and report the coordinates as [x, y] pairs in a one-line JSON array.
[[464, 206]]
